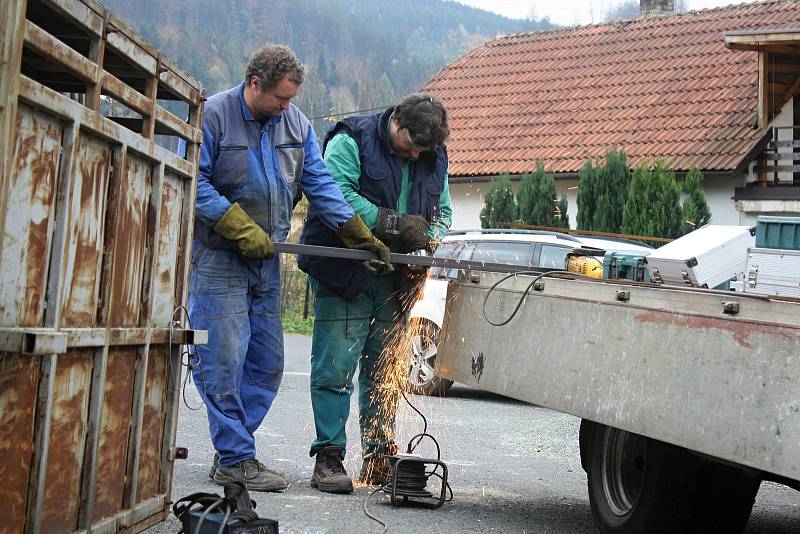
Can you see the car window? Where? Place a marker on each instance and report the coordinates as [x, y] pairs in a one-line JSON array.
[[504, 252], [553, 257], [445, 250]]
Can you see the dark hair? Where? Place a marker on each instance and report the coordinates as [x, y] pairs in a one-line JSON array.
[[425, 118], [272, 63]]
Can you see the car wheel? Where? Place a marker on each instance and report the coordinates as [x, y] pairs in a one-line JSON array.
[[422, 377]]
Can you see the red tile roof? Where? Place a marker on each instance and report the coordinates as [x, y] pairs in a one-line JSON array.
[[663, 86]]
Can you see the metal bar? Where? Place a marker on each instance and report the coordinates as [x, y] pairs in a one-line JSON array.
[[41, 447], [142, 511], [127, 95], [779, 168], [59, 105], [90, 462], [406, 259], [66, 178], [28, 341], [96, 337], [175, 125], [50, 47], [783, 144], [794, 156], [135, 441], [79, 13]]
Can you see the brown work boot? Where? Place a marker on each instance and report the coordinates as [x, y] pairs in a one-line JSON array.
[[376, 468], [329, 474]]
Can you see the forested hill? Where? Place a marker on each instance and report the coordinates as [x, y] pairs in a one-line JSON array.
[[360, 54]]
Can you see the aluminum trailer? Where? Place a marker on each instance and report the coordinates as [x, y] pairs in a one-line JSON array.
[[688, 397]]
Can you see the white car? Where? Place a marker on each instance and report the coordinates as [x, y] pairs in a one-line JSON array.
[[531, 248]]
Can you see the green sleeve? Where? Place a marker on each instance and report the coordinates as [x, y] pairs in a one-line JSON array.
[[442, 224], [343, 162]]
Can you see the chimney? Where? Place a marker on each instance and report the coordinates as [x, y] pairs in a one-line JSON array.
[[649, 8]]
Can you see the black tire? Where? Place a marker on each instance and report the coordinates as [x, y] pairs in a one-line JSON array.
[[637, 484], [422, 379], [726, 499]]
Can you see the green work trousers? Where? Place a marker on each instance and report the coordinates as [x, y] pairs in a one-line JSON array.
[[350, 335]]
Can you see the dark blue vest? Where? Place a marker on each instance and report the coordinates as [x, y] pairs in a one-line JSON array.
[[380, 183]]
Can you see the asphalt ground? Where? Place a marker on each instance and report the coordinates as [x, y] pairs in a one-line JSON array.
[[513, 467]]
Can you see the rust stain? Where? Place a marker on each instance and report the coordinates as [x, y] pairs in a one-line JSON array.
[[43, 173], [19, 376], [168, 251], [130, 243], [28, 217], [86, 224], [114, 433], [740, 331], [67, 442], [153, 426]]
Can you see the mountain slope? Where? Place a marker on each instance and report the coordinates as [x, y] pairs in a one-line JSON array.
[[360, 54]]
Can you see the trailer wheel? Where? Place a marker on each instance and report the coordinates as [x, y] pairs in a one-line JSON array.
[[725, 500], [422, 378], [637, 484]]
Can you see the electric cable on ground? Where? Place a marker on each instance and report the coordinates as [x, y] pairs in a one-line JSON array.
[[411, 479]]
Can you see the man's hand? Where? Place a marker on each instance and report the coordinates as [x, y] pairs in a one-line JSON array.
[[237, 226], [410, 231], [355, 234]]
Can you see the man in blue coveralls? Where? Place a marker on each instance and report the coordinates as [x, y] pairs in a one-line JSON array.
[[259, 154], [392, 168]]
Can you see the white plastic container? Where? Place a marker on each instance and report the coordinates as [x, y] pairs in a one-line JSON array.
[[707, 257]]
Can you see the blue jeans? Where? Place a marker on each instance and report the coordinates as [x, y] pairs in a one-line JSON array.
[[239, 371], [349, 335]]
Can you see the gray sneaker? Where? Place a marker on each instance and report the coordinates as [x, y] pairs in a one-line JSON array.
[[252, 474], [215, 465]]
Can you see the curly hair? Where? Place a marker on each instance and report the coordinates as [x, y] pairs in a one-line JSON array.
[[425, 118], [272, 63]]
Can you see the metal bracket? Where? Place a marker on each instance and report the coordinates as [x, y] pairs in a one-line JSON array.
[[33, 341], [730, 307]]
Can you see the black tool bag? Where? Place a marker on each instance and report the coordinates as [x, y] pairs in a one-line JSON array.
[[208, 513]]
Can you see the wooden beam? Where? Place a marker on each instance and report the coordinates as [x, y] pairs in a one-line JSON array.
[[793, 90], [763, 77]]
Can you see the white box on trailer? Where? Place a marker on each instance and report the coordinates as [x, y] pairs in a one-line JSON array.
[[773, 271], [707, 257]]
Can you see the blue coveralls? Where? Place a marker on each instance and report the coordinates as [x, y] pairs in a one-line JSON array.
[[263, 167]]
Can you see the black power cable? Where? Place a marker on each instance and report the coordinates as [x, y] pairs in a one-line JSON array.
[[409, 478]]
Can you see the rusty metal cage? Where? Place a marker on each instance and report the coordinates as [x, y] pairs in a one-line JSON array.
[[95, 242]]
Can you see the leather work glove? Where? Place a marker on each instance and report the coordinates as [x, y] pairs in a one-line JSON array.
[[355, 234], [410, 231], [237, 226]]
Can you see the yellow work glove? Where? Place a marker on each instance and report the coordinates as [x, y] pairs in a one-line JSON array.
[[355, 234], [237, 226]]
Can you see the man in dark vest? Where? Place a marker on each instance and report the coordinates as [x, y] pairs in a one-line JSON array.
[[392, 169]]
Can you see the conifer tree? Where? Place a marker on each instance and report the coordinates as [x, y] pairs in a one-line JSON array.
[[696, 212], [585, 200], [610, 191], [499, 203], [563, 215], [653, 206], [535, 199]]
